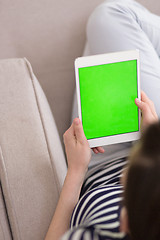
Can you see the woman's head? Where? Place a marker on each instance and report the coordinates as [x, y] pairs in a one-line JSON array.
[[142, 188]]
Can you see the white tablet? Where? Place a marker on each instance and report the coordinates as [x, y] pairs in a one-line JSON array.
[[107, 86]]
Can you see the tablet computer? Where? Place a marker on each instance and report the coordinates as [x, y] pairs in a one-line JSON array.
[[107, 86]]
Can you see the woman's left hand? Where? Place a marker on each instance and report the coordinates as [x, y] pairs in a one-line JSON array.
[[77, 148]]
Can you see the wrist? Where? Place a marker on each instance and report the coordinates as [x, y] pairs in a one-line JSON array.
[[72, 187], [76, 175]]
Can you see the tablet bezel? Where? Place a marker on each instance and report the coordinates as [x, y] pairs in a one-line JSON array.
[[107, 59]]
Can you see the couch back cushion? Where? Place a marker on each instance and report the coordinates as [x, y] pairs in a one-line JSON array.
[[32, 163]]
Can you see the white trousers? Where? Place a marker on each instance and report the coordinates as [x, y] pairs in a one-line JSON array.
[[119, 25]]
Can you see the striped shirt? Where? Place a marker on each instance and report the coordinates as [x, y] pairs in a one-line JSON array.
[[97, 213]]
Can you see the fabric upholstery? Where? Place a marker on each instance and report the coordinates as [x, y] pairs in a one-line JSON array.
[[32, 163], [5, 233]]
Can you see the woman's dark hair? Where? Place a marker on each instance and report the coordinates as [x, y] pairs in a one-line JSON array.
[[142, 191]]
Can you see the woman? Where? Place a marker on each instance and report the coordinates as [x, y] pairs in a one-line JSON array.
[[140, 215], [97, 213]]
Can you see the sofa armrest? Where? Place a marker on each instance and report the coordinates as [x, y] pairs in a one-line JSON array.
[[32, 163]]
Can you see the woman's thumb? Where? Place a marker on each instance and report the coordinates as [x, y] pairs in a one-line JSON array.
[[78, 130], [139, 103], [142, 105]]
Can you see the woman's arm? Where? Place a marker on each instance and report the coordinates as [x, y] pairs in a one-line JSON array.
[[78, 156]]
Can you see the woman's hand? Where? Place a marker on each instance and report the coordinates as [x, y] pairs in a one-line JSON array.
[[77, 148], [78, 155], [149, 114]]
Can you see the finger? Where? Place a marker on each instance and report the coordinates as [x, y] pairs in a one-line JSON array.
[[142, 105], [146, 111], [95, 150], [69, 134], [146, 99], [78, 131], [100, 149]]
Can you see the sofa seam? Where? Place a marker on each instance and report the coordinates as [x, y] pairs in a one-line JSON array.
[[0, 219], [41, 119], [9, 194], [7, 217]]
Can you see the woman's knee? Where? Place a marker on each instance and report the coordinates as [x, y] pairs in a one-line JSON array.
[[110, 26], [111, 12]]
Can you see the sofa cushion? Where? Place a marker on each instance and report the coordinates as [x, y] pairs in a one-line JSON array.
[[32, 163]]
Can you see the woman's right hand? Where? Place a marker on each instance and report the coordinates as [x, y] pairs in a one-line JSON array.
[[147, 107]]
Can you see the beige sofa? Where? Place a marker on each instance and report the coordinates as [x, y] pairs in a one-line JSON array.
[[32, 163], [50, 34]]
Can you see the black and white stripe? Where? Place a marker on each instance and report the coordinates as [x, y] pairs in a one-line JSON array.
[[96, 215]]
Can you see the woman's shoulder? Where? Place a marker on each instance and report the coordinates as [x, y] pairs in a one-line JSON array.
[[96, 215]]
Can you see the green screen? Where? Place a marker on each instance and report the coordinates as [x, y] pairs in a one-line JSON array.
[[107, 95]]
